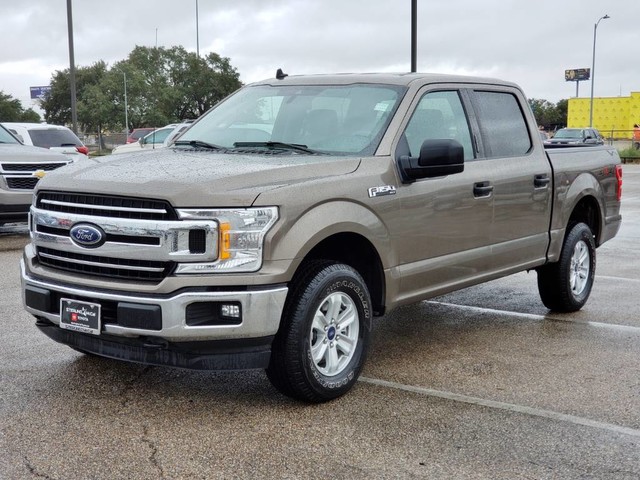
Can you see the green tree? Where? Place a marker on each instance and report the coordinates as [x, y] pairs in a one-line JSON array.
[[562, 107], [57, 103], [163, 86], [11, 110], [550, 116]]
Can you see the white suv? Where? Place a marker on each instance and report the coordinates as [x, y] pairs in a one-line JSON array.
[[54, 137]]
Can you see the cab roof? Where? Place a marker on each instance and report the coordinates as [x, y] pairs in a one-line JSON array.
[[402, 79]]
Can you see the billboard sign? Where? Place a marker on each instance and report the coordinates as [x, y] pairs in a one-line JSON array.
[[38, 93], [577, 74]]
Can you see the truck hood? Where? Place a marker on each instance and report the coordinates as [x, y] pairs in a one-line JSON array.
[[194, 178]]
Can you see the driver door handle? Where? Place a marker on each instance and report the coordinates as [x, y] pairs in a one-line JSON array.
[[482, 189]]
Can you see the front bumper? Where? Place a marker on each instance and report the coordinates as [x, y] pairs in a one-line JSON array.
[[153, 329]]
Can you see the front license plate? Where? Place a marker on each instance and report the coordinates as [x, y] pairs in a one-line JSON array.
[[80, 316]]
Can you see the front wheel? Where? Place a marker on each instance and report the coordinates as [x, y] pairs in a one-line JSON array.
[[565, 286], [322, 342]]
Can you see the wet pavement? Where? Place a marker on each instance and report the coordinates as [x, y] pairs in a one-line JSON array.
[[483, 383]]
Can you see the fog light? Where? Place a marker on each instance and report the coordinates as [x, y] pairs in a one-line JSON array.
[[230, 310]]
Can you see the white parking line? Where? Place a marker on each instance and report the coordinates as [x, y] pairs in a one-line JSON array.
[[537, 412], [619, 279], [533, 316]]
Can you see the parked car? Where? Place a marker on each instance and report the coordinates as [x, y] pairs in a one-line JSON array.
[[137, 133], [160, 138], [21, 167], [177, 131], [576, 136], [54, 137]]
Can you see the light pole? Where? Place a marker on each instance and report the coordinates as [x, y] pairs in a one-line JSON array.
[[72, 70], [126, 109], [197, 32], [593, 67], [414, 36]]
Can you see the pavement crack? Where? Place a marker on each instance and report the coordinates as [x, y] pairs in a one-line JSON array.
[[153, 456], [34, 471]]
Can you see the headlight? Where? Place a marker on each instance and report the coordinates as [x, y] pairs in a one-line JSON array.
[[241, 235]]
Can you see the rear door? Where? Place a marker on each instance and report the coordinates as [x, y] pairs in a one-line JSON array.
[[521, 178]]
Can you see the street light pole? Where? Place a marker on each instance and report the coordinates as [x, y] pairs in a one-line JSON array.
[[414, 35], [197, 32], [72, 70], [593, 67], [126, 109]]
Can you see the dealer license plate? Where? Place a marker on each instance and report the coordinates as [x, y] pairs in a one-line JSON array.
[[80, 316]]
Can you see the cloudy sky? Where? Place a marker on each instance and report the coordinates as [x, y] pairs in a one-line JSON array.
[[528, 42]]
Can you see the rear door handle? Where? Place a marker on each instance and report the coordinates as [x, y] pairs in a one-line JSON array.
[[482, 189], [541, 180]]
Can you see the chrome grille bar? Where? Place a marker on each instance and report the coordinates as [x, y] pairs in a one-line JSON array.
[[104, 207], [101, 264]]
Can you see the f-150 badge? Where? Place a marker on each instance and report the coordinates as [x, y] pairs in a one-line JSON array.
[[382, 191]]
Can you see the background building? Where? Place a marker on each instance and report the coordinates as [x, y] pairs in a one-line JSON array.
[[613, 116]]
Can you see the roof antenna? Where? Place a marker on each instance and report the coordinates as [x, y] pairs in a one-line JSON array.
[[280, 74]]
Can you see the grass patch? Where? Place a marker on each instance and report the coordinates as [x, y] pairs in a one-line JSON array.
[[630, 152]]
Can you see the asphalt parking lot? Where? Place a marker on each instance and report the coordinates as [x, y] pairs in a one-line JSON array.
[[483, 383]]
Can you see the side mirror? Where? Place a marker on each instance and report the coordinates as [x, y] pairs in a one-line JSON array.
[[437, 158]]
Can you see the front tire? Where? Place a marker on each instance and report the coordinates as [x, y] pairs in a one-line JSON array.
[[323, 339], [565, 286]]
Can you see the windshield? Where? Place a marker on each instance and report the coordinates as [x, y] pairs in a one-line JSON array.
[[568, 133], [347, 119], [6, 137]]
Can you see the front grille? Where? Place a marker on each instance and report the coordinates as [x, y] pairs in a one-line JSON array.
[[121, 268], [22, 183], [106, 206], [31, 167]]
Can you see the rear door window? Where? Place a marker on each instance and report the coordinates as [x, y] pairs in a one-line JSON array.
[[502, 124], [48, 138]]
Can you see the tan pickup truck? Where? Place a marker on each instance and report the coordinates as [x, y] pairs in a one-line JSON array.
[[289, 215]]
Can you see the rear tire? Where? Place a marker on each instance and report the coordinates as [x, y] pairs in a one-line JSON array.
[[565, 286], [324, 334]]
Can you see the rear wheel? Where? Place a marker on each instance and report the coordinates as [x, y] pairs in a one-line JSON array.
[[565, 286], [321, 346]]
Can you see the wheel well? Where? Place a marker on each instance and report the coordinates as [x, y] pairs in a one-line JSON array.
[[356, 251], [587, 211]]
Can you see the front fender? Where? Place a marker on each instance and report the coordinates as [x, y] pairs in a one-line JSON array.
[[296, 238]]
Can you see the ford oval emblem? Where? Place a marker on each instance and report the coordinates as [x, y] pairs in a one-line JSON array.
[[87, 235]]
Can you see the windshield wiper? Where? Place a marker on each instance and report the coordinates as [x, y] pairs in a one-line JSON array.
[[199, 144], [297, 147]]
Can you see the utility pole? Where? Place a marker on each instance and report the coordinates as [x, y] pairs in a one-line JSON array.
[[126, 108], [197, 32], [414, 35], [72, 70]]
